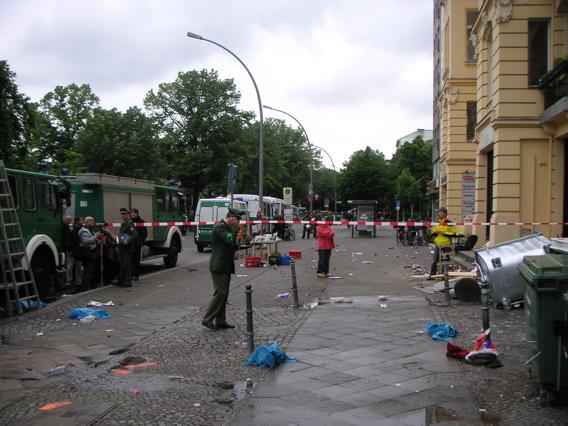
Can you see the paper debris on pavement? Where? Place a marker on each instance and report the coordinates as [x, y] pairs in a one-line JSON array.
[[367, 261], [334, 277], [95, 303], [341, 300], [382, 298], [382, 305], [242, 276], [282, 296]]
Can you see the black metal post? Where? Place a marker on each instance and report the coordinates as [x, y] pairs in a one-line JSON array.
[[484, 304], [446, 283], [250, 328], [294, 284]]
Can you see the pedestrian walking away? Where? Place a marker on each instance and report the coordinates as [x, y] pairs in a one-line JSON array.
[[138, 243], [221, 266], [325, 244], [441, 234]]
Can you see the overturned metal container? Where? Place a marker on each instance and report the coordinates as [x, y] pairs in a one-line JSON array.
[[498, 267]]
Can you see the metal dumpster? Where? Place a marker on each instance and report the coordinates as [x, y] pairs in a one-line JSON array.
[[497, 266]]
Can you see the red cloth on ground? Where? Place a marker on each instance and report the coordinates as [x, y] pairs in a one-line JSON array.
[[454, 351]]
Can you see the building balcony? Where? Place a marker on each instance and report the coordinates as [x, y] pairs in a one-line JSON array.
[[554, 85]]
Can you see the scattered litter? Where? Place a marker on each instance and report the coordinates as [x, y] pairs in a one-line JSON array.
[[176, 378], [60, 369], [98, 304], [54, 405], [397, 384], [79, 313], [484, 351], [58, 319], [367, 261], [39, 334], [242, 265], [242, 276], [109, 330], [334, 278], [341, 300], [160, 285], [358, 253], [88, 318], [350, 274], [382, 298], [420, 332], [141, 365], [268, 356], [282, 296], [440, 331], [382, 305], [121, 371], [65, 295], [311, 305], [197, 404], [135, 392], [391, 247]]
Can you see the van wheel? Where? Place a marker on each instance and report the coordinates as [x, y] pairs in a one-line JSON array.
[[172, 257], [200, 248]]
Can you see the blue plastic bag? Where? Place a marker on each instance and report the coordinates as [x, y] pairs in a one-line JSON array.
[[31, 304], [79, 313], [440, 331], [268, 356]]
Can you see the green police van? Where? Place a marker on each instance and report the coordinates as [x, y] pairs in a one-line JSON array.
[[214, 210]]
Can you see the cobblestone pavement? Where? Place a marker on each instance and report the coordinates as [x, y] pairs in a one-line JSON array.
[[510, 394]]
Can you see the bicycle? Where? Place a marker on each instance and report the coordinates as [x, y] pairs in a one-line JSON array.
[[289, 233]]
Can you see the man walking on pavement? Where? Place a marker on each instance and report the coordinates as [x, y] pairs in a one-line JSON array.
[[222, 265]]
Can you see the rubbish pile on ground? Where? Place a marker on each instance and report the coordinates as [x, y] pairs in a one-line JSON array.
[[269, 356]]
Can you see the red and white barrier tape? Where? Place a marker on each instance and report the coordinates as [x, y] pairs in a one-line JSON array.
[[342, 222]]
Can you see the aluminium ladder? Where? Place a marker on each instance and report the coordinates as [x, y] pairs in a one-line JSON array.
[[18, 282]]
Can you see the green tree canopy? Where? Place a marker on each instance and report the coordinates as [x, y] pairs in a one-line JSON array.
[[63, 114], [197, 119], [365, 177], [122, 144], [408, 191], [17, 121]]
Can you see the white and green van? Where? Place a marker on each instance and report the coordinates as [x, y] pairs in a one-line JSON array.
[[214, 210]]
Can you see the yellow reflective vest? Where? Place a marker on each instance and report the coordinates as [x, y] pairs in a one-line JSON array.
[[442, 230]]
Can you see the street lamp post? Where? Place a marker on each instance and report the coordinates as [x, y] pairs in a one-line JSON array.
[[261, 143], [311, 153], [335, 170]]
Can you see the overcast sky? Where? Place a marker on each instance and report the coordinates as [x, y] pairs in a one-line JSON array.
[[355, 73]]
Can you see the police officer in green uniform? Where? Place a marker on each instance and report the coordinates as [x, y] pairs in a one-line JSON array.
[[126, 236], [222, 265]]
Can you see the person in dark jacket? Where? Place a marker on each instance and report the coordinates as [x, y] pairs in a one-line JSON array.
[[126, 235], [222, 265], [137, 243]]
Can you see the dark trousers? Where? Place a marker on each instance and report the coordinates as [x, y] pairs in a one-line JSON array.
[[307, 231], [323, 261], [90, 268], [136, 248], [217, 309], [435, 260], [125, 258]]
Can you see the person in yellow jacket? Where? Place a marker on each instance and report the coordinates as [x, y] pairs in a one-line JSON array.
[[441, 233]]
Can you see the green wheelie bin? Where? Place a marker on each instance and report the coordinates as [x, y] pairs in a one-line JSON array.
[[546, 310]]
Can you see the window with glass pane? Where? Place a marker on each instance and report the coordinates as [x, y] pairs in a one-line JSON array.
[[538, 50], [160, 200], [28, 194], [471, 119], [470, 20], [206, 214]]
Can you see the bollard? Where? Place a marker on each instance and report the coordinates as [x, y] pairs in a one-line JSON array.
[[250, 328], [294, 284], [446, 283], [484, 303]]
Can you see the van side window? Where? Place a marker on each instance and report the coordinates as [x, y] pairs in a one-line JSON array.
[[28, 194], [160, 199], [174, 205], [222, 212], [14, 189]]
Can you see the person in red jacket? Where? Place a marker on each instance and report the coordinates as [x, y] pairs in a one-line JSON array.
[[324, 246]]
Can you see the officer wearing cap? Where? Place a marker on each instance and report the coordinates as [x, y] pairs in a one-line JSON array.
[[221, 266], [126, 236]]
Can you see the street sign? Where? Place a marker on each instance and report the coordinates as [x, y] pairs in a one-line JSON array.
[[397, 204], [287, 195]]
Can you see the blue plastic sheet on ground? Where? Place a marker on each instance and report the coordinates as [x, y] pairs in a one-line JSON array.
[[440, 331], [268, 356], [31, 304], [79, 313]]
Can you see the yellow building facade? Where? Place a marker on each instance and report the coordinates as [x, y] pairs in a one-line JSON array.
[[456, 96], [518, 82]]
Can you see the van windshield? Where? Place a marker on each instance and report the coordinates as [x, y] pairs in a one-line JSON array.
[[222, 212], [206, 214]]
